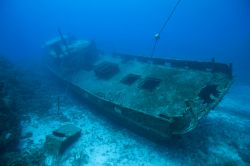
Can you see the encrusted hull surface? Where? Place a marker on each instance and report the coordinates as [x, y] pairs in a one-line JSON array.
[[154, 96]]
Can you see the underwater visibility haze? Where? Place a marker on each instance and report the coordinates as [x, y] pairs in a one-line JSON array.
[[124, 82]]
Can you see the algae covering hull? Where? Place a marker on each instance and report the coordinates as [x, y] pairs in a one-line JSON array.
[[154, 96]]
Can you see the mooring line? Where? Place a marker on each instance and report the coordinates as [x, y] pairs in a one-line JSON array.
[[158, 35]]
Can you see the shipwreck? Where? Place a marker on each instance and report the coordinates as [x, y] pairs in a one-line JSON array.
[[155, 96]]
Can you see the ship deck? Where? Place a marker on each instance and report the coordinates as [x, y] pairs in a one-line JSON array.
[[155, 89]]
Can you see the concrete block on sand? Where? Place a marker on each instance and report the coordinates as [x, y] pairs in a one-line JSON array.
[[61, 138]]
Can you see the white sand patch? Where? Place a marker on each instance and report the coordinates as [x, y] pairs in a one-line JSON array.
[[102, 143], [238, 98], [224, 154], [39, 129]]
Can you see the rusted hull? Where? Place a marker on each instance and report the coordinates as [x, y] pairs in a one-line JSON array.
[[153, 128], [154, 96], [156, 128]]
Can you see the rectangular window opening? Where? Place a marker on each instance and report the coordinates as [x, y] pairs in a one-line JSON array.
[[106, 70], [130, 79], [150, 83]]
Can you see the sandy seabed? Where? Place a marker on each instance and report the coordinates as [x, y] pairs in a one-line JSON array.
[[222, 138]]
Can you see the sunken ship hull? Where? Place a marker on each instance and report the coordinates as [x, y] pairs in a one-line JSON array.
[[155, 97]]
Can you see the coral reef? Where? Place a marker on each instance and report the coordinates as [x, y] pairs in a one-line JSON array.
[[9, 128], [16, 96], [9, 121], [22, 91]]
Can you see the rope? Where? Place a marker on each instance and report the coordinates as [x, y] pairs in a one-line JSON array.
[[157, 36], [170, 16], [154, 48]]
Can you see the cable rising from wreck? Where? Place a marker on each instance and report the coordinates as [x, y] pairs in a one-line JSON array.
[[157, 35]]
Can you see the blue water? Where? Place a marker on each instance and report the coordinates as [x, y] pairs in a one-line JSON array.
[[199, 30]]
